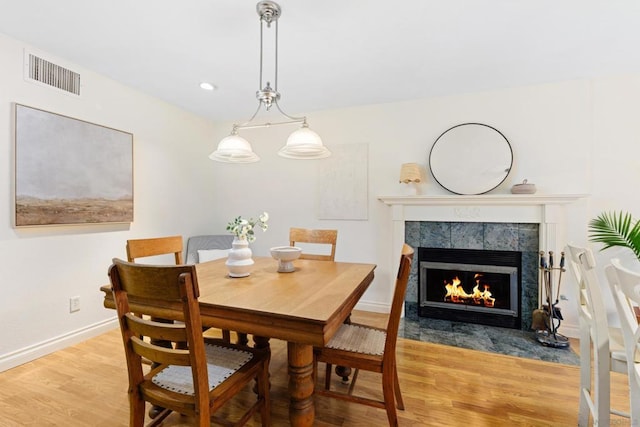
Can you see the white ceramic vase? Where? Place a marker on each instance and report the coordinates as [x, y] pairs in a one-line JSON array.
[[239, 261]]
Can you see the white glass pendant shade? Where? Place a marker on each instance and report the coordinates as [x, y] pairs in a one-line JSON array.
[[304, 144], [234, 149]]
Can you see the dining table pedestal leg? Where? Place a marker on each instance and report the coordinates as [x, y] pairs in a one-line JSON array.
[[301, 407]]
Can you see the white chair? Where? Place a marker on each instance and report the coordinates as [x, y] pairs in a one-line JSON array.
[[595, 335], [625, 287]]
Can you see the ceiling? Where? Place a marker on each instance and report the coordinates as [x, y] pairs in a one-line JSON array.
[[332, 53]]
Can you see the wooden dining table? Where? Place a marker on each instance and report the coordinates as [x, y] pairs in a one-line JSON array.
[[304, 307]]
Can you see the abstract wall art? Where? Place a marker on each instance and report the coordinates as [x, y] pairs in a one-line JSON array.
[[69, 171]]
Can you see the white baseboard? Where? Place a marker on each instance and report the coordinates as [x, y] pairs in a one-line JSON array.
[[571, 331], [35, 351]]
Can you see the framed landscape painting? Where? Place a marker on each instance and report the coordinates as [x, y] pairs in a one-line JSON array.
[[69, 171]]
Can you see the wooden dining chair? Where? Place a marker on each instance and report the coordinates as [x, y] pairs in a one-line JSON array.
[[195, 381], [155, 246], [315, 238], [314, 241], [625, 287], [601, 346], [143, 248], [371, 349]]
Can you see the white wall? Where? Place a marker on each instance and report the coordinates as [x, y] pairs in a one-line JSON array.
[[42, 267], [570, 137]]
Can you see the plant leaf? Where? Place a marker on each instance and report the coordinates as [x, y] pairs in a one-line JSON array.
[[616, 229]]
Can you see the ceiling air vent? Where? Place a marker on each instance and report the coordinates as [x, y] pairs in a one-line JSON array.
[[45, 72]]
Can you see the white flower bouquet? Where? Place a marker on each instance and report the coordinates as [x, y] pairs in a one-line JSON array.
[[244, 229]]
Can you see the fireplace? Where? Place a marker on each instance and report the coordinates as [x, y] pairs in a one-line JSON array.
[[467, 285], [513, 222]]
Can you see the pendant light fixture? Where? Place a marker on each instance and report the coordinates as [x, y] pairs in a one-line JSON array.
[[302, 143]]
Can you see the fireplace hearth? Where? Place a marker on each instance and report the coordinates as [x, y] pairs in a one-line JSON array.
[[467, 285]]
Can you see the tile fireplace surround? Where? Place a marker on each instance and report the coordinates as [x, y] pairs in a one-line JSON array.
[[503, 222]]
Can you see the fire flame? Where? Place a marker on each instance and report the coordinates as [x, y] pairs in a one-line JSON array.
[[457, 294]]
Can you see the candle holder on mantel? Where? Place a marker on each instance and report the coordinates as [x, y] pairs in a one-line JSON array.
[[551, 312], [411, 175]]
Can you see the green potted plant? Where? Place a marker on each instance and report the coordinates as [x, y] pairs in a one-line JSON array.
[[616, 229]]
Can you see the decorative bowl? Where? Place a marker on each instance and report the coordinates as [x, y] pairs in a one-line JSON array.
[[523, 188], [285, 256]]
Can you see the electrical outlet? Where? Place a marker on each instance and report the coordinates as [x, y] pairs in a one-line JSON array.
[[74, 304]]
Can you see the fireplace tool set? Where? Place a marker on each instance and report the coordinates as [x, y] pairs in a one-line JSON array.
[[546, 320]]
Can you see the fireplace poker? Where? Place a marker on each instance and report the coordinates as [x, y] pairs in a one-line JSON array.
[[539, 323], [543, 278], [550, 293], [550, 279], [542, 263], [544, 270], [560, 276]]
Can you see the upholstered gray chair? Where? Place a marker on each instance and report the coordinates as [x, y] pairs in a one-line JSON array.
[[207, 243]]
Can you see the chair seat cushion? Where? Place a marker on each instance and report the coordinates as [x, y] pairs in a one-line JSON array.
[[359, 339], [222, 362], [205, 255]]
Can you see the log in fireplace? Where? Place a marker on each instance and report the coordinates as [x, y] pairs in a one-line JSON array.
[[470, 285]]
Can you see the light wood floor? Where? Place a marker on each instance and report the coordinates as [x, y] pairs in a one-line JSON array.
[[85, 385]]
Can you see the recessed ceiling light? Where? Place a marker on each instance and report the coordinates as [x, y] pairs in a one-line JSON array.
[[207, 86]]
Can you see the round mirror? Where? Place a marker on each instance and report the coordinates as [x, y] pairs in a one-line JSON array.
[[470, 158]]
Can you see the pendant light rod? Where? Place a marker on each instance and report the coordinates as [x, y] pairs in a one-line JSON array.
[[269, 12]]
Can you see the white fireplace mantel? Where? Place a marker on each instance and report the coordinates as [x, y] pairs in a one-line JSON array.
[[520, 208], [547, 210], [483, 199]]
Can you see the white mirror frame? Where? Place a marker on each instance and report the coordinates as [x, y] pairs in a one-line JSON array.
[[470, 158]]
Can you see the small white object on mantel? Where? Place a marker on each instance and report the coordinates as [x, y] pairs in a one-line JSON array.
[[524, 188]]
